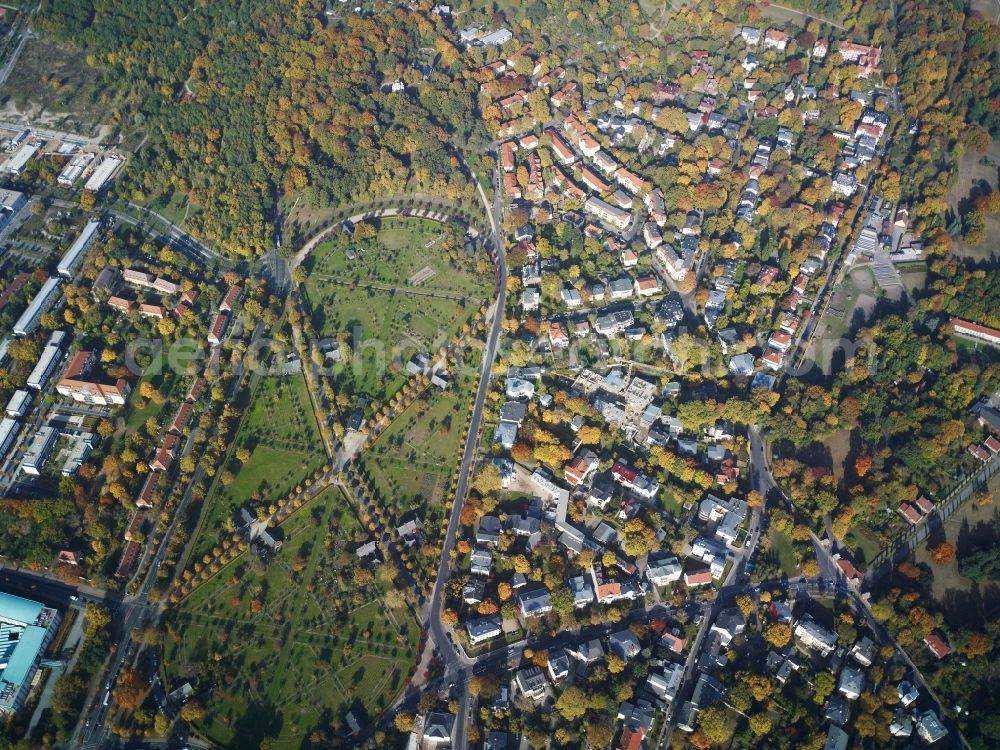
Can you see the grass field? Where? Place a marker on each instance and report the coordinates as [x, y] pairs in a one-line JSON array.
[[977, 175], [398, 252], [946, 575], [863, 545], [172, 206], [397, 297], [292, 645], [281, 434], [164, 380], [412, 461], [839, 444], [781, 545]]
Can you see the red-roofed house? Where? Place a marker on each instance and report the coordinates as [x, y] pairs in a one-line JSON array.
[[775, 39], [121, 304], [152, 311], [698, 578], [231, 298], [910, 513], [850, 572], [573, 125], [218, 329], [592, 180], [511, 186], [937, 646], [780, 340], [993, 444], [924, 505], [194, 392], [588, 146], [559, 98], [72, 385], [577, 470], [647, 286], [129, 554], [562, 149], [623, 474], [674, 642], [867, 58], [767, 276], [145, 499], [549, 78], [558, 334], [507, 149], [181, 419], [14, 287], [631, 739], [166, 454], [134, 531], [979, 452], [790, 323], [630, 181], [976, 331], [773, 359]]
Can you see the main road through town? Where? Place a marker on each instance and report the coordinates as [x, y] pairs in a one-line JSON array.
[[456, 664]]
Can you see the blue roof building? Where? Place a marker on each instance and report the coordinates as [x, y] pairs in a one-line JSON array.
[[26, 628]]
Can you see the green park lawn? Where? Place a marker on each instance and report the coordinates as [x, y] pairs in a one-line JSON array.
[[412, 461], [863, 544], [285, 447], [293, 644], [388, 315], [781, 547], [400, 251], [164, 380]]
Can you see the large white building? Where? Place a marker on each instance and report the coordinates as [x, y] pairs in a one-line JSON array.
[[814, 636], [8, 432], [67, 266], [15, 165], [39, 450], [11, 201], [606, 212], [45, 298], [103, 172], [19, 404], [51, 355]]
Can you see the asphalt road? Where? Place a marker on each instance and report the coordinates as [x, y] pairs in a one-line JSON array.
[[51, 591], [456, 665], [174, 237]]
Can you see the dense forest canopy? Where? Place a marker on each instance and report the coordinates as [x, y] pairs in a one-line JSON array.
[[244, 102]]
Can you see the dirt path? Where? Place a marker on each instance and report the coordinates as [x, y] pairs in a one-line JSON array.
[[769, 11]]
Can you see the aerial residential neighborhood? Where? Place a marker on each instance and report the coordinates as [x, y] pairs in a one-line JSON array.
[[611, 376]]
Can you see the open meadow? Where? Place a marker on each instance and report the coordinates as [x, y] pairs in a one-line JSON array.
[[287, 647], [407, 290], [279, 431]]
